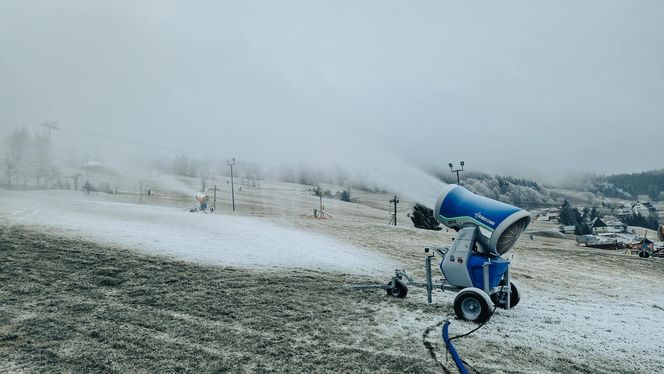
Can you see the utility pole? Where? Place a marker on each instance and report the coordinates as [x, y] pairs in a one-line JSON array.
[[319, 213], [50, 125], [214, 199], [140, 193], [87, 175], [394, 216], [230, 163], [457, 171]]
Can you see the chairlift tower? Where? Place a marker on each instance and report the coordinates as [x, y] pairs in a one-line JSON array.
[[214, 199], [50, 125]]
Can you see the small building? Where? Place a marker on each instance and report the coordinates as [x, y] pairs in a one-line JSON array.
[[568, 229], [551, 215], [615, 226], [598, 226]]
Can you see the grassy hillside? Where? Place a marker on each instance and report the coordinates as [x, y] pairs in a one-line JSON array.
[[71, 306]]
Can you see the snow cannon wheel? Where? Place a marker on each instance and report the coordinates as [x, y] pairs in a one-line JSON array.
[[500, 298], [399, 290], [472, 304]]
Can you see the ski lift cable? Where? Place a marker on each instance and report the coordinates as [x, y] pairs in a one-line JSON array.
[[120, 139]]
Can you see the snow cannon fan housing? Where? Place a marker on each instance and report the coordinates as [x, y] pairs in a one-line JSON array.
[[500, 225]]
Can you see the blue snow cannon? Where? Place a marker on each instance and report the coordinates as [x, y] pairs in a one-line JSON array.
[[472, 266], [487, 229]]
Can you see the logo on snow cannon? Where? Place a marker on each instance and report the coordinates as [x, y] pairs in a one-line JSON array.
[[500, 224], [479, 216]]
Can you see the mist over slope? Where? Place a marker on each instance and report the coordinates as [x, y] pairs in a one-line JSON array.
[[36, 160]]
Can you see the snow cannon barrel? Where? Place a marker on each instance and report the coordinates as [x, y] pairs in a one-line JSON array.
[[202, 198], [500, 225]]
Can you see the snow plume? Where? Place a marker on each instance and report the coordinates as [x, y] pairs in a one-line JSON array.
[[135, 177], [392, 173], [180, 185], [407, 181], [362, 164]]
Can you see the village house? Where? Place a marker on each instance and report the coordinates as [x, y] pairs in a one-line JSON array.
[[613, 224], [598, 226], [642, 208]]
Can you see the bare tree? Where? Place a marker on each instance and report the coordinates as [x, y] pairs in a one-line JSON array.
[[16, 158]]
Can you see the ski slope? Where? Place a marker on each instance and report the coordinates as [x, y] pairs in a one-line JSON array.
[[219, 239]]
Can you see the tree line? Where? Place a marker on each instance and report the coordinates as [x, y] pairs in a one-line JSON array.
[[649, 183], [630, 185]]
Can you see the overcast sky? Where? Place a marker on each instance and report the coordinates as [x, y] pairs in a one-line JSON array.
[[530, 87]]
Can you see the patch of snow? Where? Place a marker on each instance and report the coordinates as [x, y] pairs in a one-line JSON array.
[[227, 240]]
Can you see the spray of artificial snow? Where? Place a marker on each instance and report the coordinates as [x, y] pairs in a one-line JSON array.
[[404, 179]]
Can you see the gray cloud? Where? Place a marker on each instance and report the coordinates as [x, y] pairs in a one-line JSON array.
[[523, 87]]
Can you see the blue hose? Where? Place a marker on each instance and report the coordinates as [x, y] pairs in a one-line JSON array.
[[453, 352]]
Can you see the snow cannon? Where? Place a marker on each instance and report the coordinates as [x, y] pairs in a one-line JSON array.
[[500, 225], [486, 230], [472, 266], [202, 200]]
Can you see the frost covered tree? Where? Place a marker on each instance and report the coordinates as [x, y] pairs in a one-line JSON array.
[[480, 188], [511, 190], [16, 157]]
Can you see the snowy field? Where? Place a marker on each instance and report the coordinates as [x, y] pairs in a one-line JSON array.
[[583, 310], [219, 239]]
